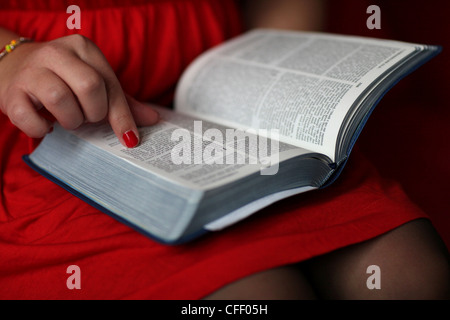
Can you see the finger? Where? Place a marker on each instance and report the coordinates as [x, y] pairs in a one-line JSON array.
[[23, 114], [54, 94], [144, 115], [86, 83], [120, 117], [118, 111]]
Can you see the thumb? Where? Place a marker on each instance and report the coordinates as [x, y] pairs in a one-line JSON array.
[[143, 114]]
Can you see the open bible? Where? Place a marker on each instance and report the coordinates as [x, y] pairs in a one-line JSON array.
[[262, 117]]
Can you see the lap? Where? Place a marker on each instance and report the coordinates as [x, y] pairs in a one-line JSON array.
[[38, 216]]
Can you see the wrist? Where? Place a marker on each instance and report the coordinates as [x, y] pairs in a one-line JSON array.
[[12, 45]]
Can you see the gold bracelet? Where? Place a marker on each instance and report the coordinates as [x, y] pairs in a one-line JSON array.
[[12, 45]]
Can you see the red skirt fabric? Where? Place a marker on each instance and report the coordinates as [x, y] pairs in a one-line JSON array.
[[44, 229]]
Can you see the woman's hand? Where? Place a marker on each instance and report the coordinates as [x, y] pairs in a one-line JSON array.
[[73, 81]]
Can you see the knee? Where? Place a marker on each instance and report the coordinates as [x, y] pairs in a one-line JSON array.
[[285, 283], [417, 279], [419, 267], [412, 261], [431, 281]]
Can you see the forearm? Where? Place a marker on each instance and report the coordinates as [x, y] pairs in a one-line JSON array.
[[284, 14]]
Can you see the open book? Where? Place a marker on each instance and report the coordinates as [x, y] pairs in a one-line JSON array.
[[262, 117]]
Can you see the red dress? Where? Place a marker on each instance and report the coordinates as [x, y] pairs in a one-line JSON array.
[[44, 229]]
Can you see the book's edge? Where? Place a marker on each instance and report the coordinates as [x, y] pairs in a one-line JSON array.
[[46, 174], [432, 52]]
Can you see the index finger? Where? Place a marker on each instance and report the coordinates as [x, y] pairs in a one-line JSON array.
[[118, 115]]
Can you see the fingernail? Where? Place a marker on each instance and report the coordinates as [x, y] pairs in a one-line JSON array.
[[130, 139]]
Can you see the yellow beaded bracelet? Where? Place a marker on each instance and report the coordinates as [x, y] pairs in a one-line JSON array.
[[12, 45]]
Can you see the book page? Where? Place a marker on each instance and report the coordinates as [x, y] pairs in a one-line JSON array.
[[301, 84], [252, 207], [197, 154]]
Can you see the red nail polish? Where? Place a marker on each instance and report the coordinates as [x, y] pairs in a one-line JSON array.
[[130, 139]]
